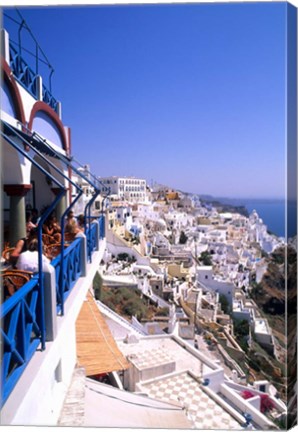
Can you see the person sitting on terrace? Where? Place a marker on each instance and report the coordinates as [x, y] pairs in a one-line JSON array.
[[22, 246], [52, 229], [70, 219], [81, 222], [28, 260], [72, 227], [29, 224], [71, 230]]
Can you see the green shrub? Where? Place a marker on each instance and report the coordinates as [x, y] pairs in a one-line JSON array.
[[97, 286], [224, 303], [205, 257]]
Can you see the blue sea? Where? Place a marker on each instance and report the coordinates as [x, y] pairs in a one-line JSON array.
[[272, 211]]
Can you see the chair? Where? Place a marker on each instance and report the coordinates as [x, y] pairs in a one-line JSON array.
[[69, 237], [12, 280], [6, 254], [53, 250]]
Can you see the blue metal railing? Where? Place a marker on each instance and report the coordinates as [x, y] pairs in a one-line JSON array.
[[22, 71], [72, 269], [41, 221], [96, 191], [20, 333], [91, 239], [49, 99], [27, 77], [22, 318]]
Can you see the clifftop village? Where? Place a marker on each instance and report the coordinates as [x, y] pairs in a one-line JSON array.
[[196, 269], [129, 305]]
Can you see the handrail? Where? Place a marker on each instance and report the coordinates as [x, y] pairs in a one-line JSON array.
[[27, 141], [51, 164], [91, 174], [63, 241], [90, 234], [67, 275], [21, 320], [42, 219], [23, 25], [67, 161]]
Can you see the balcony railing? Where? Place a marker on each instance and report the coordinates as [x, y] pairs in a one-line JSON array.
[[21, 316], [22, 71], [67, 276], [48, 98], [20, 333], [27, 77], [91, 239]]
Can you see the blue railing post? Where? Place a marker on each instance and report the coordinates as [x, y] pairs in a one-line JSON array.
[[61, 285], [88, 209], [20, 44], [20, 334], [40, 267]]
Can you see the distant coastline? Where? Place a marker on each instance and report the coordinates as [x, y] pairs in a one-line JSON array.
[[271, 210]]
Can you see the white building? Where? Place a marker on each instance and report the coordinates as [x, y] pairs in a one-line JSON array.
[[206, 280], [263, 332], [126, 188]]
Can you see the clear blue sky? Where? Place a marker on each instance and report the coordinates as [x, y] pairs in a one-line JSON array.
[[192, 96]]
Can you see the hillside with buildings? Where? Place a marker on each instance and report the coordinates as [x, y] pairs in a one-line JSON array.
[[219, 274], [140, 306]]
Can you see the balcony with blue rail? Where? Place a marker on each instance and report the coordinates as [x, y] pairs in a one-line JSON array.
[[38, 320], [29, 75], [30, 317]]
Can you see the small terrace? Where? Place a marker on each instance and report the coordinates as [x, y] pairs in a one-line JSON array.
[[15, 54], [30, 317]]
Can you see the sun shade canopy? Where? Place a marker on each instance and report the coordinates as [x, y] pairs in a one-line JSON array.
[[97, 350]]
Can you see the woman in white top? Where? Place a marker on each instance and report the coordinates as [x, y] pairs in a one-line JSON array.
[[28, 260]]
